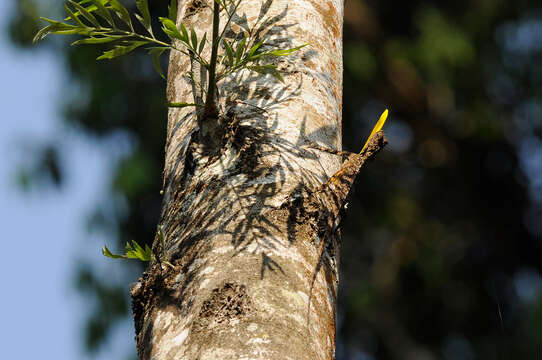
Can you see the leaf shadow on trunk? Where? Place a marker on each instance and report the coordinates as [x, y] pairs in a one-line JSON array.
[[248, 102]]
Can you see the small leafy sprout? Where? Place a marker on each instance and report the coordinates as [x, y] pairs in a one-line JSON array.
[[376, 128], [134, 251]]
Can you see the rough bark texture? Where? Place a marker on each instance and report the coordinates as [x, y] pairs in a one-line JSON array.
[[252, 225]]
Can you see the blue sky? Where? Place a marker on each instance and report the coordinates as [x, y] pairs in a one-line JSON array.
[[43, 233]]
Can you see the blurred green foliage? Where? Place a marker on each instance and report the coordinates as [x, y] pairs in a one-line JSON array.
[[442, 247]]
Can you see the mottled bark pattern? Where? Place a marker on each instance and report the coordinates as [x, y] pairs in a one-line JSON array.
[[252, 227]]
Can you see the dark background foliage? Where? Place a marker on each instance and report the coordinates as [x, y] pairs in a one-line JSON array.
[[442, 245]]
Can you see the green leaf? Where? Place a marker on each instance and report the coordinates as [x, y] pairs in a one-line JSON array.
[[173, 11], [267, 69], [100, 40], [229, 52], [148, 253], [202, 43], [57, 27], [92, 8], [122, 13], [253, 49], [137, 247], [85, 12], [109, 254], [180, 104], [143, 254], [134, 251], [42, 33], [156, 52], [286, 51], [103, 12], [240, 49], [185, 33], [170, 28], [194, 39], [143, 7], [73, 16], [120, 50]]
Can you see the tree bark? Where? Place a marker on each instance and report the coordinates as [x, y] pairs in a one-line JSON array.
[[252, 228]]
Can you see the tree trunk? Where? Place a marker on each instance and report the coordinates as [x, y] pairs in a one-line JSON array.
[[251, 226]]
